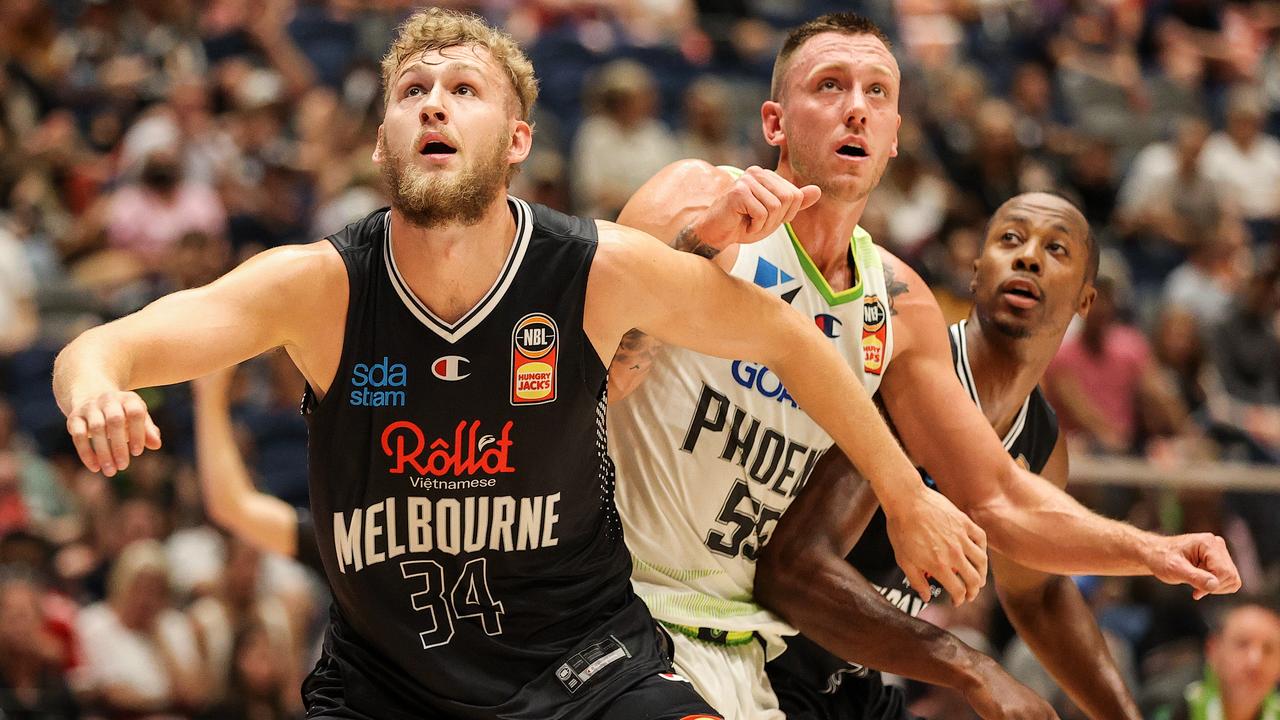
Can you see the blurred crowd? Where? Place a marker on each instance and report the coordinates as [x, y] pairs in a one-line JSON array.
[[147, 146]]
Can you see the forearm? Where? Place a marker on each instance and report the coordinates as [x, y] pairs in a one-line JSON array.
[[1059, 627], [832, 604], [851, 418], [1040, 526], [230, 497]]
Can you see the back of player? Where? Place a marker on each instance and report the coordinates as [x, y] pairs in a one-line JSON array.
[[462, 495], [813, 684]]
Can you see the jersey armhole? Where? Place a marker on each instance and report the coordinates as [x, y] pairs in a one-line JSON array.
[[311, 400]]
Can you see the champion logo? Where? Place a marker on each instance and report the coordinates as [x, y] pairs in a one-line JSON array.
[[828, 324], [451, 368], [769, 276]]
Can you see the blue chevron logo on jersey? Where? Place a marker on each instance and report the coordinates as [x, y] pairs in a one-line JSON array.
[[769, 275]]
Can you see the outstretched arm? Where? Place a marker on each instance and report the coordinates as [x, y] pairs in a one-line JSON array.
[[192, 333], [682, 299], [802, 575], [1026, 518], [265, 521], [1050, 614]]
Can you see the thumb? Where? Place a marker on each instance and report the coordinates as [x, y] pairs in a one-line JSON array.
[[153, 435], [1202, 581], [812, 193]]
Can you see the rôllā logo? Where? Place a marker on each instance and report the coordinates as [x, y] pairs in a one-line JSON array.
[[465, 454], [535, 348], [875, 330]]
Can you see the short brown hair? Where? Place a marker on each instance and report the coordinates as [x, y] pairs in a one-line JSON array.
[[845, 23], [436, 29]]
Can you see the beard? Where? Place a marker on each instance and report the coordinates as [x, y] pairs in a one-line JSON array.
[[841, 187], [430, 200]]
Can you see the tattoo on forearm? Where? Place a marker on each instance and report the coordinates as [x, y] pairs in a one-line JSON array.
[[894, 286], [687, 241]]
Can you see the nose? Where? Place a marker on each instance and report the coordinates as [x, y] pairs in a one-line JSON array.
[[856, 113], [1028, 258], [432, 109]]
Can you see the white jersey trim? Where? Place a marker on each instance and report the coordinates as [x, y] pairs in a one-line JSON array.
[[453, 332], [965, 373]]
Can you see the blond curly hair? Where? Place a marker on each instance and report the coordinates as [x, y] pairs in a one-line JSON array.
[[436, 29]]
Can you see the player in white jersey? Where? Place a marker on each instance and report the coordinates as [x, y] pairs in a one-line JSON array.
[[703, 500]]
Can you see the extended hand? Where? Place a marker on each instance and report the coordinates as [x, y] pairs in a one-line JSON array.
[[110, 428], [757, 203], [1200, 560], [931, 538]]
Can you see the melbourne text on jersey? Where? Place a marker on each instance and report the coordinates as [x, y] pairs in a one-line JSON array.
[[466, 458]]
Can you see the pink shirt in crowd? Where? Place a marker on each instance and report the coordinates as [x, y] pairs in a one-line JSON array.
[[1109, 379], [143, 222]]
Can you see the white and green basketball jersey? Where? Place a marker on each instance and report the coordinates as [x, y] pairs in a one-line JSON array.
[[710, 452]]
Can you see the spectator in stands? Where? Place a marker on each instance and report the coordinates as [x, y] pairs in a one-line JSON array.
[[1244, 162], [1245, 348], [622, 144], [1242, 668], [33, 685], [146, 219], [1098, 379], [140, 652], [708, 125], [236, 605], [19, 322], [1206, 284], [259, 686]]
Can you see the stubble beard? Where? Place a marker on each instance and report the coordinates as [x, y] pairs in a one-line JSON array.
[[851, 190], [431, 200]]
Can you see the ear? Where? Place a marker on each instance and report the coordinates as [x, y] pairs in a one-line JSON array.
[[1087, 295], [771, 123], [521, 142], [893, 149], [973, 283], [379, 149]]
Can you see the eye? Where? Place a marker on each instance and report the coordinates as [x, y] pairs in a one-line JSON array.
[[465, 90], [1057, 247], [413, 91], [828, 84], [1011, 237], [878, 89]]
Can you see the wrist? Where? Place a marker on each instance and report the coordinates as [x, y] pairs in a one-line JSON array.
[[899, 493], [966, 668]]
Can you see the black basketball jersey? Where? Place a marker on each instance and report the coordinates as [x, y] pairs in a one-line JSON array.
[[1030, 441], [460, 485]]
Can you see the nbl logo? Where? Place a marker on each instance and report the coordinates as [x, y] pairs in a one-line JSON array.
[[535, 344], [875, 332]]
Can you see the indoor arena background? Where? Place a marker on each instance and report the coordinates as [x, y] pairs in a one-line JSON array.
[[1158, 117]]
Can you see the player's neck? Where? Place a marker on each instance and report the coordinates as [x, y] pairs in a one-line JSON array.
[[450, 267], [1005, 369], [1235, 707], [824, 231]]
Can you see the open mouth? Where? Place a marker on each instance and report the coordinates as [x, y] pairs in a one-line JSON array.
[[1021, 293], [437, 147], [852, 151]]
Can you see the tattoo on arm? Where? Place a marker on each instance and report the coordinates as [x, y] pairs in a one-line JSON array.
[[687, 241], [636, 351], [894, 286]]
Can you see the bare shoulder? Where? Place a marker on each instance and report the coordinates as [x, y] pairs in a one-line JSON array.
[[692, 179], [903, 284]]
